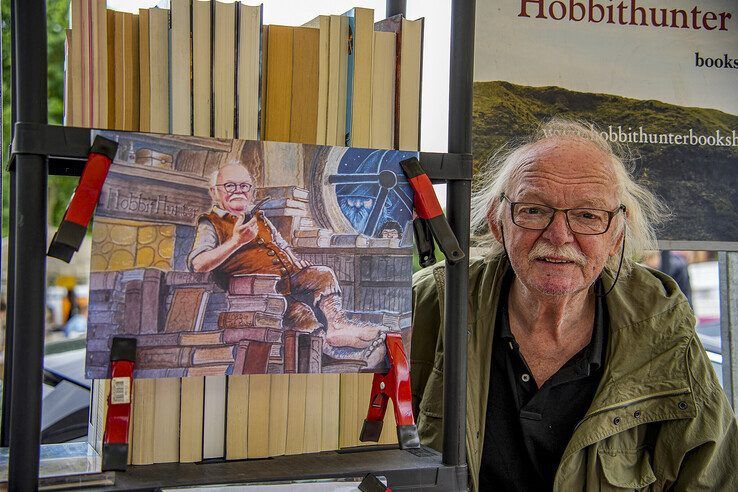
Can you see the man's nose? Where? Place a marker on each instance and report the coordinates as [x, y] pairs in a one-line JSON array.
[[558, 231]]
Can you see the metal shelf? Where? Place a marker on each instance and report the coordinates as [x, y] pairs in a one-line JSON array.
[[40, 149], [420, 469], [66, 148]]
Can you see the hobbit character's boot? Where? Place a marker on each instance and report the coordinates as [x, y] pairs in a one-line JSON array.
[[343, 332], [370, 358]]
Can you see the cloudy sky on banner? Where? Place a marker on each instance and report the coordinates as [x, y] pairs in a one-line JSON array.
[[633, 61]]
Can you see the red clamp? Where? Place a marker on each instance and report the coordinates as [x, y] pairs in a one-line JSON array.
[[395, 384], [115, 439], [430, 217], [73, 228]]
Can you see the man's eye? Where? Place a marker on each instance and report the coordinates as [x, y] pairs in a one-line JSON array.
[[531, 211], [586, 215]]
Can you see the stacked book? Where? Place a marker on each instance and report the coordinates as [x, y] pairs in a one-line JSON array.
[[212, 69], [288, 201], [254, 320], [192, 69], [288, 209]]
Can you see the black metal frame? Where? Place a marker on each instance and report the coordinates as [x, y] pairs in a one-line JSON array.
[[40, 149], [458, 206], [8, 372], [29, 239], [66, 149]]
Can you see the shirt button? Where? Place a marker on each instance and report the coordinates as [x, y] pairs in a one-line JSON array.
[[682, 405], [616, 420], [270, 252], [637, 414], [260, 241], [525, 378], [275, 261], [283, 271]]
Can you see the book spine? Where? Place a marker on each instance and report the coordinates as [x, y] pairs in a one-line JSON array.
[[363, 53], [350, 68], [296, 401], [323, 76], [279, 83], [248, 71], [259, 411], [68, 80], [236, 446], [180, 67]]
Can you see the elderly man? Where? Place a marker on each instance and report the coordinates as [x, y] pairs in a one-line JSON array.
[[585, 372], [229, 243]]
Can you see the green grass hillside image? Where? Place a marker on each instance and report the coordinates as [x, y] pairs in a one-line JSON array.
[[695, 170]]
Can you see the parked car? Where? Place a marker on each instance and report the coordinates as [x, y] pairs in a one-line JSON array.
[[66, 395]]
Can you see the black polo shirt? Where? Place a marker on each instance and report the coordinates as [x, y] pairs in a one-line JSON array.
[[528, 427]]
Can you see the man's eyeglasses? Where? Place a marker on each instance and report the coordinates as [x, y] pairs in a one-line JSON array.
[[231, 187], [587, 221]]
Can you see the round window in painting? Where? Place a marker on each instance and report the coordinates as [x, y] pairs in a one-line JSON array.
[[372, 192]]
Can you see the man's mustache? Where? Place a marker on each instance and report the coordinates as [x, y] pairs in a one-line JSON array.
[[567, 252], [236, 194]]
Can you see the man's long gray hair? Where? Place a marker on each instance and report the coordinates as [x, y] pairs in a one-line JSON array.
[[644, 209]]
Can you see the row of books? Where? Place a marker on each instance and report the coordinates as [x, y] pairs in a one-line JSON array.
[[213, 69]]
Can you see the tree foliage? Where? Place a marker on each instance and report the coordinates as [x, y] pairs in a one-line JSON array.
[[60, 188]]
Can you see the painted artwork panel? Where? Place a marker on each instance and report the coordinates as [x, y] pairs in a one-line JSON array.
[[657, 76], [246, 257]]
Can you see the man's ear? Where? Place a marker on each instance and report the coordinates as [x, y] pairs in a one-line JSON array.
[[494, 225]]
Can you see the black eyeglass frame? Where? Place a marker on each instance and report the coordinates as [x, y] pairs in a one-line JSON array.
[[236, 187], [610, 215]]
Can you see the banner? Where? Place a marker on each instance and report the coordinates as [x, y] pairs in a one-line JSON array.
[[659, 76]]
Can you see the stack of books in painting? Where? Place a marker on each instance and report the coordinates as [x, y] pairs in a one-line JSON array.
[[214, 69], [253, 319]]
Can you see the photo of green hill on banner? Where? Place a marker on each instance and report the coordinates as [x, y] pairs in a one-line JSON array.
[[659, 76]]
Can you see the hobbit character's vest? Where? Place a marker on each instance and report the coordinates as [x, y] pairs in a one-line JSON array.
[[260, 255]]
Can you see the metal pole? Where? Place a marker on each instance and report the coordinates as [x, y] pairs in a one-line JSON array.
[[458, 198], [9, 322], [395, 7], [10, 291], [30, 264], [728, 271]]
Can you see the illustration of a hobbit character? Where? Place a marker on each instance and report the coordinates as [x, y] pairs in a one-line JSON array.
[[227, 246]]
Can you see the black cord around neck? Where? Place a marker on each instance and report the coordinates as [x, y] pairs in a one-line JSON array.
[[620, 266]]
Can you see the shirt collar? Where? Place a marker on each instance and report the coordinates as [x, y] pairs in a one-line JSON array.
[[220, 212], [592, 352]]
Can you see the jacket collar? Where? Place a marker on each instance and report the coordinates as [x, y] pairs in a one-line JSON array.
[[647, 318], [650, 326]]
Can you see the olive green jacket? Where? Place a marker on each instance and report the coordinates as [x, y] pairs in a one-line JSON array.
[[659, 419]]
